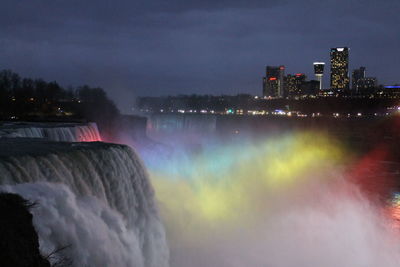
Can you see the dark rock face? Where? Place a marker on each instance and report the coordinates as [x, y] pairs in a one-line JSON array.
[[19, 243]]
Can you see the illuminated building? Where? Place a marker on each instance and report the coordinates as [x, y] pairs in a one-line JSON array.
[[273, 82], [291, 87], [391, 90], [293, 84], [319, 72], [356, 76], [340, 68], [367, 84]]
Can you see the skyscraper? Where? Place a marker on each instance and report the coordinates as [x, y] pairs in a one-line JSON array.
[[356, 76], [293, 84], [273, 82], [319, 72], [340, 68]]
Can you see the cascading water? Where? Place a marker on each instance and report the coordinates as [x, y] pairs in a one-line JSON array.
[[166, 127], [280, 201], [67, 132], [93, 197]]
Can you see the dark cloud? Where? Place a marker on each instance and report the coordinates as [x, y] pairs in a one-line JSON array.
[[176, 46]]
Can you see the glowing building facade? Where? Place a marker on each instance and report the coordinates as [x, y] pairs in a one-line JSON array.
[[273, 82], [293, 84], [319, 72], [340, 68]]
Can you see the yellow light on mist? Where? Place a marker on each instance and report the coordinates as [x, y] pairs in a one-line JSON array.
[[224, 184]]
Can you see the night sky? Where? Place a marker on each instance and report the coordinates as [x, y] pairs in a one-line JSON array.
[[160, 47]]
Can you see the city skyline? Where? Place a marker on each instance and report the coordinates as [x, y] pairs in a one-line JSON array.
[[201, 133], [208, 47], [277, 84]]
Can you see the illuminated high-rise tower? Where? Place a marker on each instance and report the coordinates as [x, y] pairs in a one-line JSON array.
[[340, 68], [293, 84], [273, 82], [319, 72]]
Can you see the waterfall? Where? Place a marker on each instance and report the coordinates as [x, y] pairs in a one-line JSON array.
[[171, 123], [67, 132], [95, 197]]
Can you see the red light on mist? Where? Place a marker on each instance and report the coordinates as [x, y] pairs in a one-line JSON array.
[[377, 178], [371, 173], [393, 212], [272, 79]]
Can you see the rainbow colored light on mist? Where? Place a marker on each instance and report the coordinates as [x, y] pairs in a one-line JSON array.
[[226, 183]]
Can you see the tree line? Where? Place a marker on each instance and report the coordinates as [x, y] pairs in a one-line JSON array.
[[35, 99]]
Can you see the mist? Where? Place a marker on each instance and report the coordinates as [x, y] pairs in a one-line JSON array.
[[285, 200]]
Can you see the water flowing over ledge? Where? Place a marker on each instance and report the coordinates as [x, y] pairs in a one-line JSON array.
[[95, 197], [66, 132]]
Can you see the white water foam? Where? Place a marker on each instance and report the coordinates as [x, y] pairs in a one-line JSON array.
[[96, 198]]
